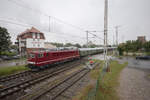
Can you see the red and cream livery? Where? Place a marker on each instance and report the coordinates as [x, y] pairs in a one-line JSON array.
[[43, 59]]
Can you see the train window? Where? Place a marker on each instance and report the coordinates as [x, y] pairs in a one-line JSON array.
[[32, 55], [40, 55]]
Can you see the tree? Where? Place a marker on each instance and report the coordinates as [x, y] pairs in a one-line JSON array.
[[58, 44], [77, 45], [4, 40], [84, 46], [68, 44], [121, 49], [134, 46], [147, 46]]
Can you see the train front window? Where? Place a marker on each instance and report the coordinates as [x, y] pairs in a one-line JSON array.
[[40, 55], [32, 55]]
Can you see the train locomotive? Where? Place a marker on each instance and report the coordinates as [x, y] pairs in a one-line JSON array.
[[43, 59]]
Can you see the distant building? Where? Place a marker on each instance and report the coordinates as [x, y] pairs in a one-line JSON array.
[[30, 40], [141, 39]]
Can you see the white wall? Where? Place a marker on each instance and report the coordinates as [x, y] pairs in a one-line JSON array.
[[34, 43]]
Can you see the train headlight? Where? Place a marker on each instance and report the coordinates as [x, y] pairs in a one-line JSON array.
[[29, 62]]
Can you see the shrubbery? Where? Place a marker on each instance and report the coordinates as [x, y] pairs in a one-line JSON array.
[[134, 46], [8, 53]]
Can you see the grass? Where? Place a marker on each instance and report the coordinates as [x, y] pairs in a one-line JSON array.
[[83, 93], [13, 69], [14, 60], [95, 73], [107, 87]]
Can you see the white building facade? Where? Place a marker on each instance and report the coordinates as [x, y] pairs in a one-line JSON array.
[[30, 40]]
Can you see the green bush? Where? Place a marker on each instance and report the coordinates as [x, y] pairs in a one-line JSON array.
[[148, 53], [134, 54], [8, 53]]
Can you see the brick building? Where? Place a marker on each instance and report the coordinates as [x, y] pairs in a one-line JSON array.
[[141, 39], [30, 40]]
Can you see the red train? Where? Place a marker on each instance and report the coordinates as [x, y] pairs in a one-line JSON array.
[[43, 59], [40, 60]]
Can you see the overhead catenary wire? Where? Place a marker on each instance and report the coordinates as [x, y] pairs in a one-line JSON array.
[[57, 19], [6, 21], [28, 25], [62, 35], [52, 17]]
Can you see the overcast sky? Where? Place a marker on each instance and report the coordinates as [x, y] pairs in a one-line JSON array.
[[131, 15]]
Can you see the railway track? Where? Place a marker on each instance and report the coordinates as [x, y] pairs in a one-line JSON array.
[[22, 74], [56, 88], [6, 81], [14, 76], [11, 77], [29, 82]]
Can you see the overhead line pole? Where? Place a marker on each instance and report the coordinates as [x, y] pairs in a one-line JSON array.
[[116, 36], [87, 33], [87, 36], [105, 31], [49, 17], [113, 39]]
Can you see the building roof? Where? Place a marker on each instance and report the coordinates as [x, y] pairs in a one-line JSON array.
[[32, 30]]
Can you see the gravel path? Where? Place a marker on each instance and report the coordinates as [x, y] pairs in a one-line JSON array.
[[134, 84]]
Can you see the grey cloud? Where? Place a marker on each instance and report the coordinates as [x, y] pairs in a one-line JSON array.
[[132, 15]]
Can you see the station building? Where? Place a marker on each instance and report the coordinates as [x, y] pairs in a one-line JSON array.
[[30, 40]]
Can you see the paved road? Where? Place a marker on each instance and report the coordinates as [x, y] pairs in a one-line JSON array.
[[135, 80]]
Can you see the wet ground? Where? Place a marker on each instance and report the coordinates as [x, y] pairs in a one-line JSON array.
[[101, 57], [133, 63], [135, 80]]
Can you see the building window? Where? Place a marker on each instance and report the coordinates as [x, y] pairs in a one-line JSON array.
[[38, 35], [33, 35]]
